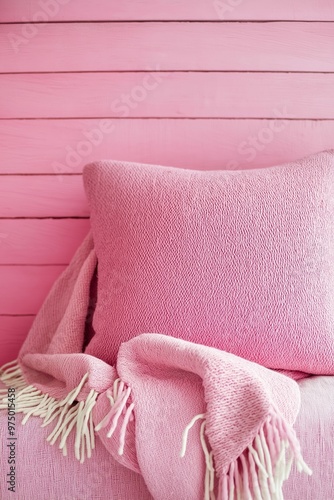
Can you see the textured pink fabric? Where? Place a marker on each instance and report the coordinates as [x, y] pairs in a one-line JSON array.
[[315, 428], [52, 355], [235, 395], [44, 473], [239, 260], [166, 381]]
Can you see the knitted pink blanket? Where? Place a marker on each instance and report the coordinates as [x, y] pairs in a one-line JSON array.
[[195, 421]]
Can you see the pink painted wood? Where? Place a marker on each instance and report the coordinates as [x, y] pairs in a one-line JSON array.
[[61, 146], [219, 84], [26, 287], [13, 331], [42, 196], [218, 95], [167, 46], [40, 241], [111, 10]]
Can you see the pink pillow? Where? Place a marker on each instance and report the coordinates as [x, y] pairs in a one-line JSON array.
[[238, 260]]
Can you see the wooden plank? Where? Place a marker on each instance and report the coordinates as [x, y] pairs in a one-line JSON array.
[[53, 146], [114, 10], [167, 46], [219, 95], [26, 287], [13, 331], [42, 196], [34, 241]]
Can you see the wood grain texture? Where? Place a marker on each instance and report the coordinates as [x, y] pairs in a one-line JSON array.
[[53, 123], [61, 146], [13, 331], [26, 287], [113, 10], [42, 196], [34, 241], [167, 46], [179, 95]]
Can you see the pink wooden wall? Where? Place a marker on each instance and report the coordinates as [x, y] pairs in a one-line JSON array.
[[204, 83]]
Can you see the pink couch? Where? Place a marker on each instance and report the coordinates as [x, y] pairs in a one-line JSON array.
[[44, 474]]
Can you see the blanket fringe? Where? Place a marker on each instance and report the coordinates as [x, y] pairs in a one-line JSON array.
[[118, 399], [260, 471], [73, 417], [257, 474]]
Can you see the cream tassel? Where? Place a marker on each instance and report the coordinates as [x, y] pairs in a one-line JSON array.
[[260, 471], [209, 469], [73, 417], [118, 400]]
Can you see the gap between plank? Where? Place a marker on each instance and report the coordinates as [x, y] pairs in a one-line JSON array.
[[168, 118], [111, 71], [175, 21]]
